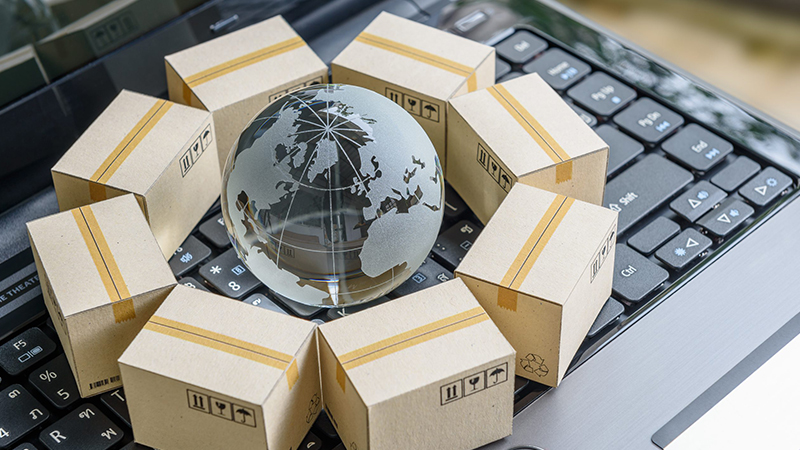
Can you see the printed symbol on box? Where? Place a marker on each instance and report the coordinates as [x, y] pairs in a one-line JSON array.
[[244, 415], [313, 408], [186, 162], [504, 180], [395, 96], [196, 150], [474, 383], [198, 401], [238, 270], [496, 375], [419, 278], [413, 105], [483, 157], [206, 137], [221, 408], [451, 392], [114, 29], [100, 37], [534, 364], [430, 111]]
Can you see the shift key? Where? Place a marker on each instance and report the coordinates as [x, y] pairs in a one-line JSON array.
[[643, 187]]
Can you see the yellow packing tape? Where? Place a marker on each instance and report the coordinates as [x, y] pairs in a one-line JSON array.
[[105, 263]]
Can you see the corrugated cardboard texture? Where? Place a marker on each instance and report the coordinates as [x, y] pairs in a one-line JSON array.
[[237, 75], [386, 371], [542, 269], [416, 66], [202, 344], [104, 276], [521, 130], [163, 153]]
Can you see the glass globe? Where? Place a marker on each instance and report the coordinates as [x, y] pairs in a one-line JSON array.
[[333, 195]]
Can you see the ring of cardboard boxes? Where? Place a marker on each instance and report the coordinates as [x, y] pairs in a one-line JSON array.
[[225, 375]]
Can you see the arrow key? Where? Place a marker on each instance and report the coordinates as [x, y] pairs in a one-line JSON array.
[[727, 217], [698, 200], [683, 248], [765, 187]]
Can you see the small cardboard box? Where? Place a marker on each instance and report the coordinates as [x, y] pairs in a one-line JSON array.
[[221, 374], [542, 268], [428, 370], [521, 131], [237, 75], [417, 67], [161, 152], [102, 275]]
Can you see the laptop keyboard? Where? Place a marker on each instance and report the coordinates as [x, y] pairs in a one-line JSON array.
[[681, 192]]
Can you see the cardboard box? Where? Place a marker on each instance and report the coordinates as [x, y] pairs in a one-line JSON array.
[[162, 152], [222, 374], [20, 73], [542, 268], [417, 67], [425, 371], [237, 75], [102, 276], [521, 131]]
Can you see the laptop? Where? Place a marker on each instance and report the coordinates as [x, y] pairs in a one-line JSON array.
[[706, 253]]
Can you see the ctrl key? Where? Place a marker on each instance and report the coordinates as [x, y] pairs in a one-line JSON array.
[[634, 275], [19, 414], [86, 428]]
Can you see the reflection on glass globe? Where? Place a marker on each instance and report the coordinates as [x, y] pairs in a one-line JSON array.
[[333, 195]]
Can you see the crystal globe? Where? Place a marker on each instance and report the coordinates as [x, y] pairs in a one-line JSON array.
[[333, 195]]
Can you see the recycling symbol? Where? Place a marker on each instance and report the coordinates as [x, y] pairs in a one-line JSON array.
[[313, 408], [534, 364], [353, 446]]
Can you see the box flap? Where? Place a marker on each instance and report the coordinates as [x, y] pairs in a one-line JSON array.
[[414, 341], [220, 345], [132, 141], [527, 125], [538, 243], [245, 63], [100, 254], [416, 56]]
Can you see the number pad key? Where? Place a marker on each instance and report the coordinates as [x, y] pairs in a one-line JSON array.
[[191, 253], [28, 348], [55, 381], [86, 428], [192, 283], [19, 414], [228, 275], [214, 230], [116, 402]]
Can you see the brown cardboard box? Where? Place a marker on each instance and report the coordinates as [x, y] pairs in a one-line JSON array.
[[222, 375], [417, 67], [162, 152], [542, 268], [102, 276], [237, 75], [425, 371], [521, 131]]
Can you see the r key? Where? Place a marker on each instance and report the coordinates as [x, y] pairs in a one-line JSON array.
[[86, 428]]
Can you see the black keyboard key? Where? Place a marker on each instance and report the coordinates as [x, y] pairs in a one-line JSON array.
[[228, 275], [19, 414], [520, 47], [135, 446], [335, 313], [601, 94], [698, 200], [116, 402], [765, 187], [324, 426], [509, 77], [723, 220], [262, 301], [86, 428], [188, 256], [648, 121], [23, 351], [192, 283], [643, 187], [697, 148], [610, 312], [25, 446], [430, 273], [298, 309], [736, 173], [558, 68], [214, 230], [311, 442], [652, 236], [634, 275], [683, 248], [585, 116], [340, 447], [452, 245], [501, 69], [55, 381], [454, 207], [622, 148]]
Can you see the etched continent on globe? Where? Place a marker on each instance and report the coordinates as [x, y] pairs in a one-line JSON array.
[[333, 195]]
